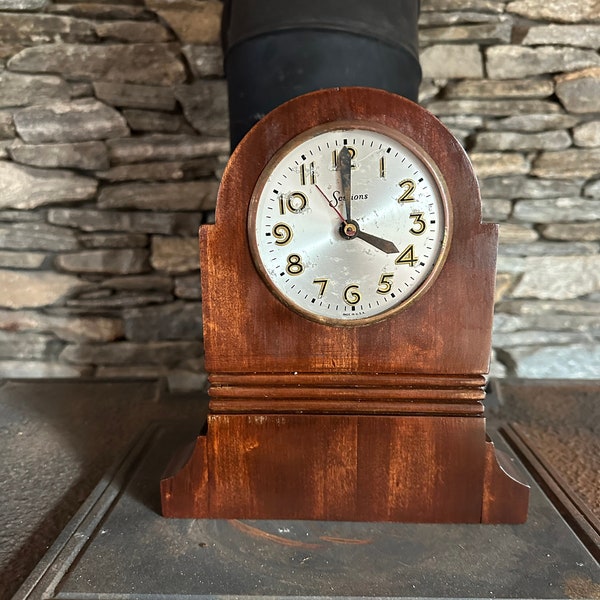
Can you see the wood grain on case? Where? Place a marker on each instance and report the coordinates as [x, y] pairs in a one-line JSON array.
[[379, 422]]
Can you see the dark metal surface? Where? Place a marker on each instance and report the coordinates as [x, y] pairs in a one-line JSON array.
[[391, 23], [57, 440], [275, 51], [118, 546]]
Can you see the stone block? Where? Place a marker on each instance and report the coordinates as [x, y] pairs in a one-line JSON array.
[[193, 21], [149, 64], [168, 147], [187, 287], [512, 265], [495, 164], [510, 88], [561, 11], [7, 127], [205, 106], [452, 61], [154, 121], [28, 346], [497, 368], [484, 6], [551, 308], [107, 261], [37, 236], [27, 188], [204, 60], [587, 135], [466, 124], [438, 18], [130, 353], [87, 156], [561, 210], [498, 32], [575, 163], [536, 338], [429, 89], [187, 195], [132, 31], [25, 28], [495, 209], [18, 89], [151, 97], [509, 140], [555, 277], [515, 233], [113, 240], [504, 283], [184, 381], [76, 121], [125, 221], [589, 232], [23, 5], [493, 108], [582, 36], [177, 320], [592, 189], [175, 254], [28, 369], [103, 9], [572, 361], [529, 187], [534, 123], [67, 328], [162, 171], [546, 248], [24, 289], [116, 301], [139, 283], [20, 216], [21, 260], [510, 62], [580, 92]]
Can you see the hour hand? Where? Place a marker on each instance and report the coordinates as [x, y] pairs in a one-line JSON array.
[[379, 243]]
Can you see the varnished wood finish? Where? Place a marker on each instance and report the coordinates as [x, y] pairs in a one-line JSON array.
[[505, 498], [379, 422], [346, 467]]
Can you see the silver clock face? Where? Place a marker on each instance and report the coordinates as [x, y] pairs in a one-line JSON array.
[[349, 224]]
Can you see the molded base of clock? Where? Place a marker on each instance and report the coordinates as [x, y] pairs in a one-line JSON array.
[[428, 469]]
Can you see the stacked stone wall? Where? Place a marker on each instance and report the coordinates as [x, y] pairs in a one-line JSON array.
[[113, 135], [518, 83]]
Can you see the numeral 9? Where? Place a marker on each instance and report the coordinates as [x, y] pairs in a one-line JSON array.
[[282, 234]]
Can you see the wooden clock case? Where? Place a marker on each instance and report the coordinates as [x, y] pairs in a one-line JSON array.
[[382, 422]]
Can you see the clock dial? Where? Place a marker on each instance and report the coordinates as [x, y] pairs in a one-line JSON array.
[[348, 223]]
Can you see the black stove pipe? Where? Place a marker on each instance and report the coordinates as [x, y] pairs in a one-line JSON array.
[[276, 50]]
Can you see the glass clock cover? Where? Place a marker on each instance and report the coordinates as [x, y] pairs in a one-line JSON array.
[[349, 223]]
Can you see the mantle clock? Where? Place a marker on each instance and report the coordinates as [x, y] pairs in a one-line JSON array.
[[347, 292]]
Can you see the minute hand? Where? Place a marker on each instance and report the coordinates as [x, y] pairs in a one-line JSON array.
[[345, 164], [379, 243]]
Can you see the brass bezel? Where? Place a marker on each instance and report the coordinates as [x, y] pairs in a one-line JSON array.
[[410, 145]]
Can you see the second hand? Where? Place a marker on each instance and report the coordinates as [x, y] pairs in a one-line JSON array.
[[339, 214]]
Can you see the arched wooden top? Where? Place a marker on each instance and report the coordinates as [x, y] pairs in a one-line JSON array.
[[248, 330]]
